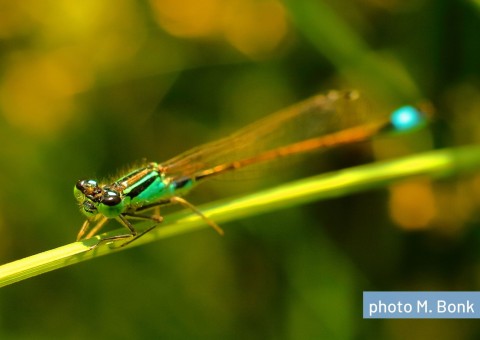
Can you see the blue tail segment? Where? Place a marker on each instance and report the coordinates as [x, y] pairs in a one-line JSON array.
[[407, 118]]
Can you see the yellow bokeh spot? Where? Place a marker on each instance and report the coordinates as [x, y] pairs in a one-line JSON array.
[[69, 45], [11, 19], [412, 204], [254, 27], [36, 93], [188, 18]]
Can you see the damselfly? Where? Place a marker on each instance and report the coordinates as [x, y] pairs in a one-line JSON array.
[[322, 121]]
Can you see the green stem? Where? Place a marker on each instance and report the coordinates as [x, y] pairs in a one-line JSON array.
[[434, 164]]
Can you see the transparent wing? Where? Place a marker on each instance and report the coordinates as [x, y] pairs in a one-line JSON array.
[[316, 116]]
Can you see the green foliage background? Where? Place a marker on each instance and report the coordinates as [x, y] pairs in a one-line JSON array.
[[88, 88]]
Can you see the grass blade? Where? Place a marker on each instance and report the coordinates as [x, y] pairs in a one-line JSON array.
[[434, 164]]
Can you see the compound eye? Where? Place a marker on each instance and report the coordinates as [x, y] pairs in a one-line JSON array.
[[111, 198], [88, 186]]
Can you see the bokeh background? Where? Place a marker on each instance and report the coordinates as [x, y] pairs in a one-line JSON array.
[[88, 87]]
